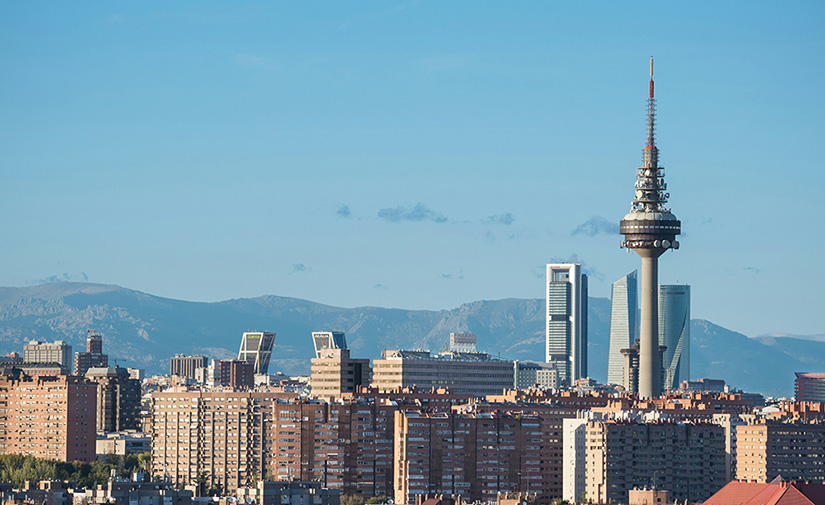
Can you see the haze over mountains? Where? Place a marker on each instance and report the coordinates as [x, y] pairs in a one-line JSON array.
[[144, 331]]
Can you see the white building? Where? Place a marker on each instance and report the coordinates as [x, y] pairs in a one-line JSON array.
[[623, 306], [566, 328], [573, 458]]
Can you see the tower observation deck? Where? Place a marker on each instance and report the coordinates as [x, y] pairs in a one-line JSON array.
[[650, 229]]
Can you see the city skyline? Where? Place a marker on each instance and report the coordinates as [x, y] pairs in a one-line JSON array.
[[220, 156]]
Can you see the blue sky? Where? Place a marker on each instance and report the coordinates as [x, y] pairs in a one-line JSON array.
[[416, 154]]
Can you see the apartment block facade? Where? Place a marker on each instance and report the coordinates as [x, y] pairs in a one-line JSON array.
[[686, 459], [475, 455], [334, 372], [48, 417], [794, 450], [117, 398]]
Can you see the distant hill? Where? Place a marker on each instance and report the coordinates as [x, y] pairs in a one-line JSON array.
[[145, 331]]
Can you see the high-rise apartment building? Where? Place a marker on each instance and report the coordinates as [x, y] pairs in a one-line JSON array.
[[118, 399], [622, 325], [334, 372], [566, 328], [256, 349], [766, 450], [235, 374], [475, 373], [809, 387], [686, 459], [477, 455], [674, 333], [219, 434], [185, 366], [49, 352], [93, 357], [328, 340], [49, 417]]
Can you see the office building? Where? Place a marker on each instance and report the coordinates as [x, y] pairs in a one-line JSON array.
[[650, 229], [49, 352], [674, 333], [328, 340], [622, 325], [531, 374], [256, 349], [793, 450], [462, 342], [118, 399], [686, 459], [93, 357], [185, 366], [334, 372], [809, 387], [475, 373], [50, 417], [566, 328]]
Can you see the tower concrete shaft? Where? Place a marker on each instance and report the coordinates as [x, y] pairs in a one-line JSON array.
[[650, 229]]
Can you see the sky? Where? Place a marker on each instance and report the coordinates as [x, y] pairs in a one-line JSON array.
[[417, 155]]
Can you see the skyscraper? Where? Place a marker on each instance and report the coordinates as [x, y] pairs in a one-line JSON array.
[[650, 229], [566, 329], [622, 325], [256, 348], [674, 333], [328, 340]]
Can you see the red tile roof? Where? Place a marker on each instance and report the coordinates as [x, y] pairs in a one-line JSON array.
[[775, 493]]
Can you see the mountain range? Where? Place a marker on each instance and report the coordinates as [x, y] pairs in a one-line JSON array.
[[144, 331]]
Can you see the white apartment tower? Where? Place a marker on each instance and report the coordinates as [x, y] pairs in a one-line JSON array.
[[566, 329], [623, 308], [674, 333]]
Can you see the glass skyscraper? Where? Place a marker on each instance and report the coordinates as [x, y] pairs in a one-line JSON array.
[[623, 323], [566, 329], [674, 332]]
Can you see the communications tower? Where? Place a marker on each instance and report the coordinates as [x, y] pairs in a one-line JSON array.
[[650, 229]]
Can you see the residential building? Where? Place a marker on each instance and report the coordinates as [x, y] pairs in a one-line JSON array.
[[687, 459], [185, 366], [566, 328], [776, 492], [704, 384], [573, 459], [346, 446], [334, 372], [322, 340], [49, 352], [219, 434], [118, 399], [289, 493], [809, 387], [49, 417], [463, 372], [623, 327], [235, 374], [792, 450], [674, 333], [476, 456], [256, 349], [93, 357]]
